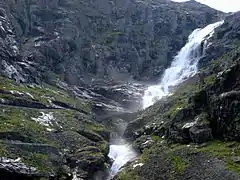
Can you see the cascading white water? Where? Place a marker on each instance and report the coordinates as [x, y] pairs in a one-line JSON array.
[[121, 154], [183, 66]]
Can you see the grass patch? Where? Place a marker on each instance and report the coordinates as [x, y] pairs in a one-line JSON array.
[[127, 175], [3, 151], [225, 151], [19, 120], [179, 165], [38, 161], [156, 138], [104, 146], [42, 94], [97, 128], [210, 80], [177, 107]]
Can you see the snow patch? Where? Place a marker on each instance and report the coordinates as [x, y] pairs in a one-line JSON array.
[[14, 92], [31, 96], [15, 163], [137, 165], [189, 125], [47, 119], [75, 175], [147, 142], [23, 64], [1, 26], [15, 49]]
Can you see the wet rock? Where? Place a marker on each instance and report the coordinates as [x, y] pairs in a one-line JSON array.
[[236, 159], [12, 136], [24, 103], [221, 42], [14, 168], [225, 115], [200, 133], [90, 135], [89, 159]]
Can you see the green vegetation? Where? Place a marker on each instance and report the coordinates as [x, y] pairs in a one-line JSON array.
[[97, 128], [180, 98], [225, 151], [152, 152], [156, 138], [115, 34], [38, 161], [177, 107], [210, 80], [41, 94], [109, 37], [179, 164], [127, 175], [104, 146], [19, 120], [38, 145], [3, 151], [176, 157]]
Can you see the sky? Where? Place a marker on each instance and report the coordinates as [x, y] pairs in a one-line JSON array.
[[223, 5]]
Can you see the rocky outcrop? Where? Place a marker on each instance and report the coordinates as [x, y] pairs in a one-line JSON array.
[[225, 39], [51, 141], [162, 161]]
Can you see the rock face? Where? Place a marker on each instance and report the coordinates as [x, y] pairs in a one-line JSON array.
[[78, 40], [199, 112], [226, 39], [46, 133]]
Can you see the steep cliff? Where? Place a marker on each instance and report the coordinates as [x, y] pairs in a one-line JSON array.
[[76, 41]]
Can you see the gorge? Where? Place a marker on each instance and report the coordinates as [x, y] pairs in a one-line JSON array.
[[110, 89], [183, 67]]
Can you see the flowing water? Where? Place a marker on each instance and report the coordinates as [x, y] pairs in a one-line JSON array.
[[121, 154], [183, 66]]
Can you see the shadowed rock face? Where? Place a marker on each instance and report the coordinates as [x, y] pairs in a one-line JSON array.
[[79, 40], [225, 39]]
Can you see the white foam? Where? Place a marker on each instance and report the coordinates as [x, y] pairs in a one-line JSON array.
[[120, 154], [183, 66]]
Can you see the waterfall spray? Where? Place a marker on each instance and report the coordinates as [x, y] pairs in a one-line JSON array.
[[183, 66]]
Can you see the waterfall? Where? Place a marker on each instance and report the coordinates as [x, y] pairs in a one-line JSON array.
[[183, 66], [121, 154]]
